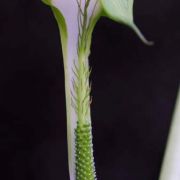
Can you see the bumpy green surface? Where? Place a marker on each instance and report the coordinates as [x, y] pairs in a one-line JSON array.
[[84, 153]]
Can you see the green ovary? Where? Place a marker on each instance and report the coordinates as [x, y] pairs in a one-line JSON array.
[[85, 169]]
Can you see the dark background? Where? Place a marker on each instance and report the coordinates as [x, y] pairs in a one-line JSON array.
[[134, 91]]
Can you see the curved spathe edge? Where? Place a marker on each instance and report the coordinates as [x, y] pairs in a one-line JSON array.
[[64, 40], [126, 18]]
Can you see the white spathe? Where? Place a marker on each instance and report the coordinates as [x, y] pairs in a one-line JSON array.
[[170, 169]]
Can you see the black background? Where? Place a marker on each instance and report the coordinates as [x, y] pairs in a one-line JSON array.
[[134, 90]]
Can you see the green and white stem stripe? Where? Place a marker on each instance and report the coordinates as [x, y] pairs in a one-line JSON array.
[[76, 20], [171, 164]]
